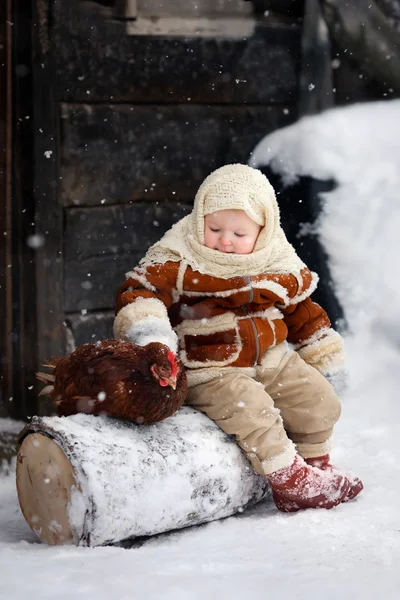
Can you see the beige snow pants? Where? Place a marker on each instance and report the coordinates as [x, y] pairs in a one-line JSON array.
[[284, 409]]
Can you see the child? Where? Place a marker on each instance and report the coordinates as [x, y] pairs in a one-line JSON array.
[[226, 287]]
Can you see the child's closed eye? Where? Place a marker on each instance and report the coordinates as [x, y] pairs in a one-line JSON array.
[[240, 234]]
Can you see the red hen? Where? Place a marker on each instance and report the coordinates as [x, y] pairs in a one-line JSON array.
[[144, 384]]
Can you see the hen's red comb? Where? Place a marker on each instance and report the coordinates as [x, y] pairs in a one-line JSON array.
[[174, 365]]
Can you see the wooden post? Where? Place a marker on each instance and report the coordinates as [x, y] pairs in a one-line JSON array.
[[365, 30], [18, 336], [5, 206], [23, 271], [48, 210], [315, 93]]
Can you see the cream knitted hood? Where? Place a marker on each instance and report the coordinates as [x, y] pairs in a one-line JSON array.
[[230, 187]]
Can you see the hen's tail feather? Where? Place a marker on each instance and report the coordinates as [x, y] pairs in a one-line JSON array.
[[45, 377], [46, 391], [52, 362]]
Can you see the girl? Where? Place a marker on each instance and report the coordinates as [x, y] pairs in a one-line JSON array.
[[226, 290]]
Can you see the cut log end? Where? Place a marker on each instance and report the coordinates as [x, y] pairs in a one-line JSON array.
[[45, 478]]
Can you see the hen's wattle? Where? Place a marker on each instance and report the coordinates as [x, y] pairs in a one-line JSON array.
[[144, 384]]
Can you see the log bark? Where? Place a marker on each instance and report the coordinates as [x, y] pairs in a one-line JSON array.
[[366, 33], [130, 481]]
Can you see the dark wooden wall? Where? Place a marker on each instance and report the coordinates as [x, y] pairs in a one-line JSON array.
[[123, 129], [137, 123]]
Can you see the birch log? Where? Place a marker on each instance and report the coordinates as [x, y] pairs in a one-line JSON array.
[[115, 480]]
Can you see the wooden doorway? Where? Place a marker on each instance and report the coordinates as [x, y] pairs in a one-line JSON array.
[[17, 257], [5, 204]]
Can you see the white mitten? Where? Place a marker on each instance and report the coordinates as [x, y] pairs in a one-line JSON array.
[[144, 321], [152, 329], [324, 351]]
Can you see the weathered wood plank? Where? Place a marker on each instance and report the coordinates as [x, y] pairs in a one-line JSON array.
[[93, 283], [118, 229], [97, 61], [48, 211], [288, 7], [101, 244], [124, 153], [91, 328]]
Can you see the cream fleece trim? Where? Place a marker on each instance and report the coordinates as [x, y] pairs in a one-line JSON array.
[[315, 450], [141, 276], [306, 293], [223, 322], [204, 375], [221, 294], [265, 284], [324, 352], [273, 286], [279, 461], [321, 333], [180, 277], [270, 314], [136, 311]]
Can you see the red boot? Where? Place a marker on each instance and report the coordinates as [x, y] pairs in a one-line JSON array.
[[300, 486], [322, 462]]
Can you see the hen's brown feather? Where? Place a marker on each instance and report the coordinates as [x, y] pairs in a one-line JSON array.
[[114, 377]]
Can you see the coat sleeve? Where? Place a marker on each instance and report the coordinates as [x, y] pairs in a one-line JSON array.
[[142, 305], [309, 330]]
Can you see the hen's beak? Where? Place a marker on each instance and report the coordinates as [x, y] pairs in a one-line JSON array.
[[171, 381]]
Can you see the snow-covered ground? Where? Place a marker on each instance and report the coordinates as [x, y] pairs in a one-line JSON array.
[[350, 552]]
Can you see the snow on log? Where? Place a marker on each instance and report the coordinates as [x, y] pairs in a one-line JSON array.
[[91, 481]]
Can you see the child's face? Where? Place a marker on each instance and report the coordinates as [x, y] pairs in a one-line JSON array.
[[230, 231]]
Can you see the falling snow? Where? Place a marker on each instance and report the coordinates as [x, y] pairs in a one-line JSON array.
[[347, 553]]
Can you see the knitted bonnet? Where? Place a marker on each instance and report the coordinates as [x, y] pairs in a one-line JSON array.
[[230, 187], [237, 187]]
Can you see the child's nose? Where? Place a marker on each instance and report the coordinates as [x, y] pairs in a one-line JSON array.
[[225, 241]]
